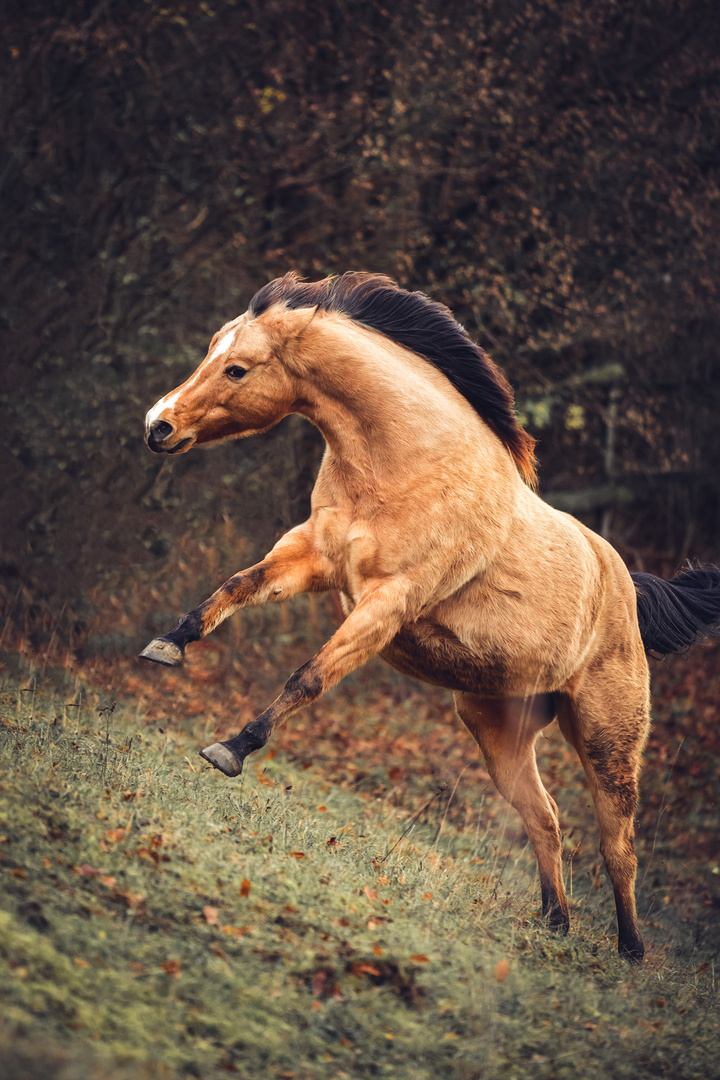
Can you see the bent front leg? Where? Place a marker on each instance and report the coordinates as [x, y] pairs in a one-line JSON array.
[[293, 566], [366, 632]]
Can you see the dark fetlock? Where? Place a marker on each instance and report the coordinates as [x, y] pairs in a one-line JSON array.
[[631, 949], [557, 920], [554, 910]]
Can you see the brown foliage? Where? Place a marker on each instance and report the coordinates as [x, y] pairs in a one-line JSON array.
[[549, 170]]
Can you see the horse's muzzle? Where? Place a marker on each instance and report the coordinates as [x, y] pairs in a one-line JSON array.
[[158, 435]]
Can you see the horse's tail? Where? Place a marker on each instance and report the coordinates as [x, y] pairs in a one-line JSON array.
[[674, 614]]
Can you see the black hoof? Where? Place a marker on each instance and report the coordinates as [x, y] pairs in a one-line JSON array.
[[222, 758], [162, 651], [632, 951]]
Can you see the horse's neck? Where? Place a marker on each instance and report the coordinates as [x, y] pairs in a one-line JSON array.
[[390, 419]]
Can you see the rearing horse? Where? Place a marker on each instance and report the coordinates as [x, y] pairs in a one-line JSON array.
[[449, 566]]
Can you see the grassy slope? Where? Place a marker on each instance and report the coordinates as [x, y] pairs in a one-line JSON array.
[[131, 946]]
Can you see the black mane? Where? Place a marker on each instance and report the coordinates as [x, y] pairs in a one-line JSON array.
[[423, 326]]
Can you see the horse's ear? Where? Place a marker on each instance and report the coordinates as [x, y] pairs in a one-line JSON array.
[[287, 324]]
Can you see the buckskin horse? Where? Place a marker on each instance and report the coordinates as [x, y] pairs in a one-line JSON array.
[[425, 518]]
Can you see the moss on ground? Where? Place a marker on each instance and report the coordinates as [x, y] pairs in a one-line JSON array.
[[157, 919]]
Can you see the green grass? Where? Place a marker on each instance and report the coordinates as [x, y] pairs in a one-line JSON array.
[[157, 919]]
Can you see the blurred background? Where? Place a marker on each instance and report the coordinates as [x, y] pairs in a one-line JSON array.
[[549, 170]]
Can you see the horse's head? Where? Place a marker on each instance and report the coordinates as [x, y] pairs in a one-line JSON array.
[[243, 386]]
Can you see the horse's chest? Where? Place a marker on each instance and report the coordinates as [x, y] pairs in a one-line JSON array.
[[351, 549], [435, 654]]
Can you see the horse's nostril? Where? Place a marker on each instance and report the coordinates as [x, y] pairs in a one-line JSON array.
[[160, 430]]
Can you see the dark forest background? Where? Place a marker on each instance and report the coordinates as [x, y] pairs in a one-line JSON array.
[[548, 169]]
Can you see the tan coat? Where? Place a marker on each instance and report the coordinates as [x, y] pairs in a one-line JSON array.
[[449, 566]]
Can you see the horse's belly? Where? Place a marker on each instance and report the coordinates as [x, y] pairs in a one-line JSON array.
[[436, 655]]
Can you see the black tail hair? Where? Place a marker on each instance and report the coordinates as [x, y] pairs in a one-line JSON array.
[[674, 614]]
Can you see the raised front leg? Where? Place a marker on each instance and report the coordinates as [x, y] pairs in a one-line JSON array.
[[366, 631], [293, 566]]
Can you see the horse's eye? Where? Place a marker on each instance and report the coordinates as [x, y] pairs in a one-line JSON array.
[[235, 372]]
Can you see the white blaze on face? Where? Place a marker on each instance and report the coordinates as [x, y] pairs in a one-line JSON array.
[[167, 402], [222, 346]]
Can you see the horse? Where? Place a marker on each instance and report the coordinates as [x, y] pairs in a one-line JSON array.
[[450, 567]]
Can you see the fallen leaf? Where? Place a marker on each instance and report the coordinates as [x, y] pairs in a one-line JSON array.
[[377, 950], [501, 970], [370, 893], [130, 899], [365, 969], [172, 967], [211, 915], [418, 958], [108, 881], [79, 962], [236, 931], [86, 870], [245, 887], [296, 854]]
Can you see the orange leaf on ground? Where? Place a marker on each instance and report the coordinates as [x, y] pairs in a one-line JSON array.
[[418, 958], [365, 969], [245, 887], [296, 854], [86, 870], [500, 973], [130, 899], [236, 931], [211, 915], [377, 950], [370, 893], [108, 881], [322, 809], [172, 967]]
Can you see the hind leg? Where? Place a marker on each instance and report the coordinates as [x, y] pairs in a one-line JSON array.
[[607, 721], [506, 731]]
